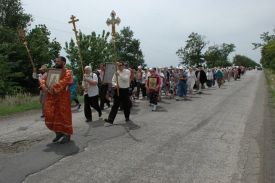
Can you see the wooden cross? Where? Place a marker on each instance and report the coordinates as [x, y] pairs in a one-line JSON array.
[[22, 37], [113, 21], [73, 21]]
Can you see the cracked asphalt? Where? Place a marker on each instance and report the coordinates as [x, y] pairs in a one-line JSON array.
[[224, 135]]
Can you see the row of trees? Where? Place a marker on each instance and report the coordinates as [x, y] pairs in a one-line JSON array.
[[196, 53], [16, 70], [267, 49], [97, 49]]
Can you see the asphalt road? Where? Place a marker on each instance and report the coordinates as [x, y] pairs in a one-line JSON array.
[[224, 135]]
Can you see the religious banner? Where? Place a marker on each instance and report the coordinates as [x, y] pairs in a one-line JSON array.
[[153, 83], [110, 69], [53, 76]]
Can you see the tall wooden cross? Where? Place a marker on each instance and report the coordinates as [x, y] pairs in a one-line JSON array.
[[113, 21], [22, 37], [73, 21]]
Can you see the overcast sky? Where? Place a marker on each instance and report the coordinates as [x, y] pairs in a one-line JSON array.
[[162, 26]]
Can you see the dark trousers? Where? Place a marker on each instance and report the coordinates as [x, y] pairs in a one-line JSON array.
[[143, 89], [124, 100], [102, 93], [76, 101], [88, 103], [138, 89], [153, 96], [141, 86]]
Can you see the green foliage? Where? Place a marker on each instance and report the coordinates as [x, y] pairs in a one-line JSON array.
[[241, 60], [268, 55], [128, 48], [15, 67], [98, 49], [270, 77], [191, 54], [18, 102], [12, 14], [43, 50], [217, 55], [266, 38], [267, 49], [95, 49]]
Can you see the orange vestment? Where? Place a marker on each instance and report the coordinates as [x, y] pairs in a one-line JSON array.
[[58, 115]]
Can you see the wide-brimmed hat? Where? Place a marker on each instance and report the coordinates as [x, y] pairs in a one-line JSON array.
[[43, 67]]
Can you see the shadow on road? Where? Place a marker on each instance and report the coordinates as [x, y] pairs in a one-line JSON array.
[[161, 109], [62, 149], [130, 125]]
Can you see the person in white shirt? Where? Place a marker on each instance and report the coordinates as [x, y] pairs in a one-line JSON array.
[[121, 80], [191, 80], [140, 83], [90, 93]]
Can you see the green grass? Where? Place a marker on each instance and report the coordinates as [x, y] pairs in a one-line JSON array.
[[270, 76], [20, 103], [7, 110]]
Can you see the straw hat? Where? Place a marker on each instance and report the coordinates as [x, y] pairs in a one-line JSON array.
[[43, 67]]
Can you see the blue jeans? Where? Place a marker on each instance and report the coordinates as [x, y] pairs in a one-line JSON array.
[[181, 88]]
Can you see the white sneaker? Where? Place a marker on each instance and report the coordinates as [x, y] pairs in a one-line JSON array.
[[154, 108]]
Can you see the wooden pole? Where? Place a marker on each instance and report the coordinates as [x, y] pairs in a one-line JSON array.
[[73, 21], [22, 37], [113, 21]]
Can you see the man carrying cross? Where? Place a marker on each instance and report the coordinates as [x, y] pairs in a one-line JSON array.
[[122, 77]]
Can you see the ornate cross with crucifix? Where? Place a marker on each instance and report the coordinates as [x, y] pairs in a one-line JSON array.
[[22, 37], [73, 21], [113, 21]]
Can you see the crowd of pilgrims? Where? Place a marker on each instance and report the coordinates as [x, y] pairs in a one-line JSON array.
[[127, 85], [175, 83]]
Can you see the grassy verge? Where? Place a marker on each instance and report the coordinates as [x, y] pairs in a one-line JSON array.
[[18, 103], [4, 111], [21, 103], [270, 76]]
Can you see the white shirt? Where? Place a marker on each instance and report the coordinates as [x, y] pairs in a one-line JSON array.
[[144, 77], [209, 75], [91, 90], [191, 77], [40, 77], [123, 79]]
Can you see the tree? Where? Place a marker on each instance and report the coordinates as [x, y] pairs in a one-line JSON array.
[[95, 49], [16, 70], [217, 55], [241, 60], [268, 55], [267, 49], [266, 38], [12, 14], [191, 54], [128, 48], [43, 50]]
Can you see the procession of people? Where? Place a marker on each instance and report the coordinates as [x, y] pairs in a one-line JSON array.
[[127, 85]]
